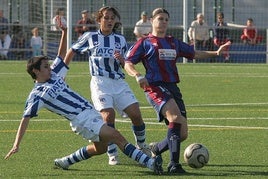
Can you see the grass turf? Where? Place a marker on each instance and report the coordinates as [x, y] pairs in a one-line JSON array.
[[227, 108]]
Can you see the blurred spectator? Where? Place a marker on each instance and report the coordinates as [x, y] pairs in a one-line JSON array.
[[36, 42], [221, 35], [143, 27], [3, 22], [18, 41], [250, 33], [199, 33], [5, 41], [59, 14], [86, 23]]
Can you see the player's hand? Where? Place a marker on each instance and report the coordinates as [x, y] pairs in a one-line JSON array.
[[222, 47], [119, 57], [12, 151], [61, 22], [142, 81]]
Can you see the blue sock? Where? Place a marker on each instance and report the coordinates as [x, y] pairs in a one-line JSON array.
[[139, 133], [132, 152], [162, 146], [78, 156], [173, 136]]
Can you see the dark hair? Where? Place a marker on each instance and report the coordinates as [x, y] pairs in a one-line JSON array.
[[35, 63], [59, 10], [158, 11], [250, 19], [108, 8]]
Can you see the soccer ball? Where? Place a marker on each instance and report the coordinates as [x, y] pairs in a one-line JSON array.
[[196, 155]]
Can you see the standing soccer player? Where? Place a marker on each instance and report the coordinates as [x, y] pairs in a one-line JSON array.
[[51, 92], [158, 53], [109, 91]]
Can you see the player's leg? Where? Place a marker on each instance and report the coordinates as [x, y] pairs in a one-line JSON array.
[[138, 126], [108, 134], [174, 133], [102, 98], [127, 101], [167, 108], [108, 116]]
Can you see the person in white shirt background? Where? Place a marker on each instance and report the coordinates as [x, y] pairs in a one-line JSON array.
[[199, 32], [59, 14], [143, 27]]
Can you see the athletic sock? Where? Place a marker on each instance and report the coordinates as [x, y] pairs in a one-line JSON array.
[[139, 134], [174, 141], [161, 146], [112, 148], [77, 156], [132, 152]]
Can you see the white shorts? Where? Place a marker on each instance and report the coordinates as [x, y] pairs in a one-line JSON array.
[[111, 93], [88, 125]]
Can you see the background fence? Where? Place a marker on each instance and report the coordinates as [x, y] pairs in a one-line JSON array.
[[25, 15]]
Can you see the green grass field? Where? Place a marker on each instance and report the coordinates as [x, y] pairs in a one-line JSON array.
[[227, 108]]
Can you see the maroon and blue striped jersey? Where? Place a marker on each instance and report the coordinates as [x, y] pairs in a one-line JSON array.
[[159, 57]]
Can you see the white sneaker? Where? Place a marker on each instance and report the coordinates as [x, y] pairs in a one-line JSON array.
[[61, 164], [113, 160], [145, 149], [124, 115]]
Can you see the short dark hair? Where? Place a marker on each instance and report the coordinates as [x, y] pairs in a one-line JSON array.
[[35, 63], [250, 19]]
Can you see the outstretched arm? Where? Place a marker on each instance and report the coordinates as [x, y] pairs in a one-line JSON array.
[[21, 130], [211, 54], [63, 40], [69, 56], [63, 43]]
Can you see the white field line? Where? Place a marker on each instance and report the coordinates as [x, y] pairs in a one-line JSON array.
[[218, 104], [199, 125], [196, 125], [161, 123]]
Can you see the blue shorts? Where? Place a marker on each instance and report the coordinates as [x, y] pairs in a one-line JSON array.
[[159, 93]]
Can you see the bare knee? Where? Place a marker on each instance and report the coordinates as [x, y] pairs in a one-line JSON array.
[[184, 129], [184, 136], [108, 115], [108, 134]]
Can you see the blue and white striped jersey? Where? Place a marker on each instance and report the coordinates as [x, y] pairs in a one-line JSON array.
[[101, 50], [55, 95]]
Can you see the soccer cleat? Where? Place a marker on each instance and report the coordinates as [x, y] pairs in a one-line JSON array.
[[113, 160], [61, 164], [175, 168], [145, 149], [157, 165], [152, 147]]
